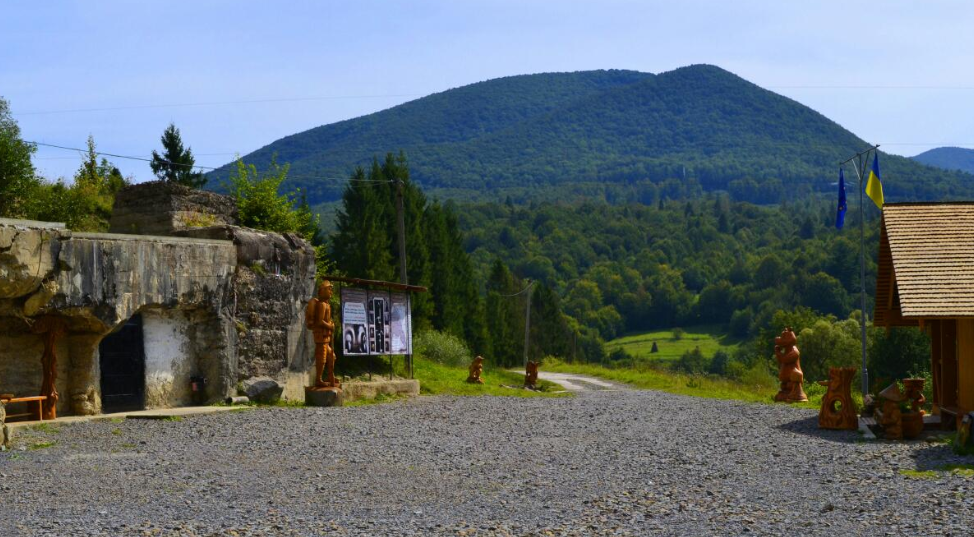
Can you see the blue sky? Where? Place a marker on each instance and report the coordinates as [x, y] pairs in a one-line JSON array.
[[897, 72]]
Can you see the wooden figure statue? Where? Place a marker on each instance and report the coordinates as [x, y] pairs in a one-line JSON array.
[[52, 328], [789, 368], [317, 317], [838, 409], [476, 368], [531, 375]]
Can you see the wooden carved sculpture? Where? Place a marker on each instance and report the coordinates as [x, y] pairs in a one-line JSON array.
[[476, 368], [51, 328], [913, 421], [317, 318], [891, 418], [838, 410], [531, 375], [789, 368]]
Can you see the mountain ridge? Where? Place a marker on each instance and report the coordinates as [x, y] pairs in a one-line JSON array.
[[948, 158], [600, 127]]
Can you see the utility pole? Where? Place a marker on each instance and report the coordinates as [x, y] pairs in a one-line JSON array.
[[403, 277], [861, 160], [401, 228], [527, 323]]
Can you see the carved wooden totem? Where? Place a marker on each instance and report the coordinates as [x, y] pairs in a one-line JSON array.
[[531, 375], [476, 368], [789, 368], [51, 328], [891, 417], [838, 409]]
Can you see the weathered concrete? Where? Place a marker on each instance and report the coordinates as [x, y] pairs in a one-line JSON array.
[[357, 391], [160, 208], [217, 300], [274, 279], [98, 281]]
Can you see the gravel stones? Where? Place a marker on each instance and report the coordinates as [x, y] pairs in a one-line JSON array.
[[262, 390], [598, 463]]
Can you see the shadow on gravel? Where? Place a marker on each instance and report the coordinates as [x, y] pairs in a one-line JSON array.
[[809, 427], [938, 456]]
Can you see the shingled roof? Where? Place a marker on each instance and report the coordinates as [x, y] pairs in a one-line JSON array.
[[926, 262]]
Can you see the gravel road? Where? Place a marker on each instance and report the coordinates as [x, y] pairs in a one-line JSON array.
[[601, 462]]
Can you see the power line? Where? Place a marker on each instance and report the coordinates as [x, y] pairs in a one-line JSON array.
[[216, 103], [115, 155], [118, 156]]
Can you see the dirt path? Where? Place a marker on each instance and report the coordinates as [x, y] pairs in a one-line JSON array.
[[579, 383]]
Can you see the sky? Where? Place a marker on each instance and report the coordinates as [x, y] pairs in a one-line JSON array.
[[236, 75]]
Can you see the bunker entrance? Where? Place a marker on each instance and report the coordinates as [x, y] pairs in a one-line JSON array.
[[122, 364]]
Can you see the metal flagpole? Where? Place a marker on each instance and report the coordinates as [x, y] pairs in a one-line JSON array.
[[861, 160]]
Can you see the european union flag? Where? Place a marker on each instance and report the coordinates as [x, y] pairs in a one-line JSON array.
[[840, 209]]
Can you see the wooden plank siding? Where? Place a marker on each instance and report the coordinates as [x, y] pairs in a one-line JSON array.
[[925, 277]]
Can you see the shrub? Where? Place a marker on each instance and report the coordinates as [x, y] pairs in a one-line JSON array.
[[678, 333], [718, 364], [442, 348], [692, 362]]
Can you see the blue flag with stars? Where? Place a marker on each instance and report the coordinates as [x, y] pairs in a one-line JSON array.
[[841, 207]]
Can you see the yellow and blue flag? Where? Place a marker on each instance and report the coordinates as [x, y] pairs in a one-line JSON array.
[[841, 207], [874, 188]]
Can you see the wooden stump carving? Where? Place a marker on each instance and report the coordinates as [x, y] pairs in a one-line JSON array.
[[51, 328], [531, 375], [838, 409]]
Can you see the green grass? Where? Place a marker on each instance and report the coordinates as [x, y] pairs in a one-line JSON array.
[[760, 389], [962, 470], [41, 445], [708, 337], [438, 379]]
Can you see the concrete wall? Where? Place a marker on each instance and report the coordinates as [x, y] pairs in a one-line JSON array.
[[95, 282], [169, 359]]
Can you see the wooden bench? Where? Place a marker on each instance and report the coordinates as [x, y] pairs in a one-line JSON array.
[[35, 407]]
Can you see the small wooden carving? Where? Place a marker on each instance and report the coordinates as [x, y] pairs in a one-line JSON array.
[[52, 328], [531, 375], [476, 368], [914, 393], [890, 417], [913, 420], [838, 409], [789, 368]]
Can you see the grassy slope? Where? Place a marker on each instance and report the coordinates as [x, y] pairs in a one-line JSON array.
[[708, 338], [438, 379]]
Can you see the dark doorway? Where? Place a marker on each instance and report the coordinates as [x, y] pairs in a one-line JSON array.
[[122, 361]]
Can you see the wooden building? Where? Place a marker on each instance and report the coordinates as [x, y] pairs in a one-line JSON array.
[[926, 279]]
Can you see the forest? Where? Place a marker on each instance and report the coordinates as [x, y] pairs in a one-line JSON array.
[[568, 136]]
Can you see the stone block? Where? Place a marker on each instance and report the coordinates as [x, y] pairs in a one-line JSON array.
[[323, 396], [357, 391], [263, 390]]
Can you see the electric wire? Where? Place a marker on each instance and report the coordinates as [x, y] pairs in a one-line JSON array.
[[215, 103]]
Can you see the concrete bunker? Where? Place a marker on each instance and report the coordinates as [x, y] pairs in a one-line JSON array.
[[145, 314]]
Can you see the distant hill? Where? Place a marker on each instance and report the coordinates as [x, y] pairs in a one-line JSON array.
[[948, 158], [532, 132]]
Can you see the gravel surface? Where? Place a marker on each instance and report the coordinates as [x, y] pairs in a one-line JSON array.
[[602, 462]]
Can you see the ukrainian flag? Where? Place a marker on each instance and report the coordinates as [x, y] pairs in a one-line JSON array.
[[874, 188]]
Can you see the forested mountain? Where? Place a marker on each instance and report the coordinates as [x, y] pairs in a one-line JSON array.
[[948, 158], [595, 132]]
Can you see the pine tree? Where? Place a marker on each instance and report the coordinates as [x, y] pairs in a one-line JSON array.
[[175, 165]]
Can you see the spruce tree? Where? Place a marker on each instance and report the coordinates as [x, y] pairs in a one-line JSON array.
[[175, 165]]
